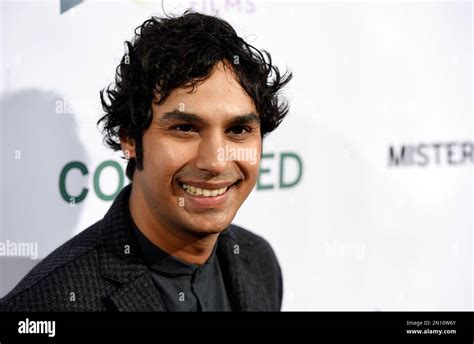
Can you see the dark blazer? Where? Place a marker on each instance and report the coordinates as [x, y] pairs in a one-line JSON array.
[[102, 269]]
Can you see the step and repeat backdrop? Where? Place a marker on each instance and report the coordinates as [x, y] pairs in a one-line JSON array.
[[365, 191]]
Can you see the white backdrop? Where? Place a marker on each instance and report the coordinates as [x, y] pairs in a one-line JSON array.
[[357, 231]]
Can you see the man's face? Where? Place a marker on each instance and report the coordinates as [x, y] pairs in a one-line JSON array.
[[201, 155]]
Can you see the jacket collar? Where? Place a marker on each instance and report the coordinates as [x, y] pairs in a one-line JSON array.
[[121, 261]]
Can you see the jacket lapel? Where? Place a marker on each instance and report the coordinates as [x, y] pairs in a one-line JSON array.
[[240, 272], [138, 295], [121, 262]]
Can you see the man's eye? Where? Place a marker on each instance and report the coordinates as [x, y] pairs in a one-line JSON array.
[[239, 130], [183, 128]]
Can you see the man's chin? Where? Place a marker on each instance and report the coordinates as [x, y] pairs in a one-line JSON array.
[[211, 222], [205, 227]]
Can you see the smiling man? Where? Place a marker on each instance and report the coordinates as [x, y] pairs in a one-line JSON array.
[[189, 109]]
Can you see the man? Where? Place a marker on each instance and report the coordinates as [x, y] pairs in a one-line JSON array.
[[190, 106]]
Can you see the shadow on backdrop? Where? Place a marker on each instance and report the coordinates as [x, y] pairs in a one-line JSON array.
[[36, 141]]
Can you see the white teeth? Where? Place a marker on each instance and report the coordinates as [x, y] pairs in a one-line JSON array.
[[195, 191]]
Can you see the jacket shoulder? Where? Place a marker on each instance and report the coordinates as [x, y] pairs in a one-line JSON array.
[[73, 260]]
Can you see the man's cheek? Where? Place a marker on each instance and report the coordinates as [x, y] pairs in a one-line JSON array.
[[173, 154]]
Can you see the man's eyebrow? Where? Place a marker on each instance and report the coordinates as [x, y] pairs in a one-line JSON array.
[[177, 115], [250, 118]]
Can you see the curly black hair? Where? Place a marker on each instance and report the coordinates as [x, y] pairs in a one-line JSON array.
[[172, 52]]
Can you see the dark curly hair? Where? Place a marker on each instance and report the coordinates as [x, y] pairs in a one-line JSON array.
[[172, 52]]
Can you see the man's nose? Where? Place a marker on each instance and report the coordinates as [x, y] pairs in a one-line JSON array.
[[209, 155]]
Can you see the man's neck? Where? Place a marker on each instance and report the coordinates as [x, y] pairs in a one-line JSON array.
[[174, 241]]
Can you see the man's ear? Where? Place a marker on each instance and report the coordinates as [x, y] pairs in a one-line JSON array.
[[128, 146]]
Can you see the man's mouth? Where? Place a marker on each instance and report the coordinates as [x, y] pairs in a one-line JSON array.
[[195, 190]]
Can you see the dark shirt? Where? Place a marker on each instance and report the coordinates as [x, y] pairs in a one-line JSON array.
[[183, 286]]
